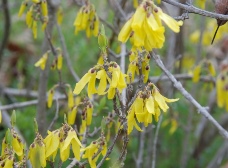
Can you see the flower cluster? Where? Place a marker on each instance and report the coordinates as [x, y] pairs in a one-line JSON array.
[[205, 66], [12, 146], [147, 104], [87, 20], [94, 150], [37, 11], [46, 149], [56, 64], [222, 88], [115, 78], [145, 28], [138, 60]]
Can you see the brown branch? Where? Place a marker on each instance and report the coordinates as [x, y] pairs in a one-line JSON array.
[[178, 86]]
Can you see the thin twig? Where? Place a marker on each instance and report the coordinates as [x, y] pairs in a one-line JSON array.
[[178, 86], [56, 115], [66, 54], [139, 160], [27, 103], [155, 141], [193, 9], [110, 149]]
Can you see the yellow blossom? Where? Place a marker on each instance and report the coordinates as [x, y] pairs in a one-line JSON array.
[[91, 150], [90, 78], [59, 61], [44, 8], [72, 116], [211, 68], [22, 9], [50, 98], [36, 153], [71, 139], [196, 73], [145, 28], [52, 142], [42, 61], [59, 16], [88, 20], [161, 100], [102, 75], [70, 98], [89, 113], [34, 29], [222, 89]]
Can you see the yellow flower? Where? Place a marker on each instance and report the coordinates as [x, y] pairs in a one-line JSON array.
[[59, 16], [196, 73], [90, 78], [222, 89], [145, 28], [70, 139], [161, 100], [52, 142], [117, 81], [34, 29], [50, 98], [36, 153], [102, 75], [42, 61], [44, 8], [70, 98], [59, 61], [88, 20], [17, 144], [91, 150], [22, 9], [89, 113], [211, 68], [29, 18], [171, 23], [201, 3], [131, 122], [8, 162], [72, 116]]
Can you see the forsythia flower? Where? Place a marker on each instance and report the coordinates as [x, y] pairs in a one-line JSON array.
[[52, 142], [42, 61], [222, 89], [68, 137], [133, 67], [205, 65], [201, 3], [91, 151], [88, 20], [116, 81], [147, 104], [90, 78], [36, 153], [37, 11], [145, 28]]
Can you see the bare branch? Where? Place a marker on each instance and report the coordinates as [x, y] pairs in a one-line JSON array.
[[155, 141], [178, 86], [193, 9]]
